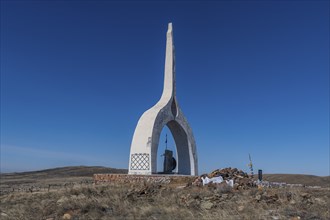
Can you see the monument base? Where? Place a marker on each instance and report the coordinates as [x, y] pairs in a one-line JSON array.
[[129, 178]]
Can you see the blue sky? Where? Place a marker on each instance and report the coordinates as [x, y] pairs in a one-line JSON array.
[[252, 77]]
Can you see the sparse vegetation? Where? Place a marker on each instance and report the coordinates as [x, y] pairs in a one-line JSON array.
[[153, 201], [159, 202]]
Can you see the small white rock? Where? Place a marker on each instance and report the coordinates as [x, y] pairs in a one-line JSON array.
[[240, 208], [66, 216], [3, 214]]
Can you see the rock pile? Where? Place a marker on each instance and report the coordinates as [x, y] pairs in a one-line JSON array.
[[229, 173], [241, 179]]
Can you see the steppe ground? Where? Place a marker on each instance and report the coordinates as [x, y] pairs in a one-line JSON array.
[[69, 193]]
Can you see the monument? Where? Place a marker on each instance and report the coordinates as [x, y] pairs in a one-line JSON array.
[[166, 112]]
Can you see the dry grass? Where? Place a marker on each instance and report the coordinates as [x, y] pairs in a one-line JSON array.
[[56, 196], [163, 202]]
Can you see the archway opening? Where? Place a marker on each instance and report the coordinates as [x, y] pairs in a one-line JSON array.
[[182, 145], [166, 142], [182, 152]]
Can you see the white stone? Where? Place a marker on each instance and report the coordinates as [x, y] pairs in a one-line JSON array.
[[144, 147]]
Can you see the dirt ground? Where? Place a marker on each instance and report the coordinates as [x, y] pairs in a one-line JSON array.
[[51, 197]]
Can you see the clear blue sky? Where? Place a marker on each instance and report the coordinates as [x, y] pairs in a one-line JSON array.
[[252, 77]]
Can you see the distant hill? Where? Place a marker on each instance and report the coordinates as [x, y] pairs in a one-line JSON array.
[[308, 180], [88, 171], [71, 171]]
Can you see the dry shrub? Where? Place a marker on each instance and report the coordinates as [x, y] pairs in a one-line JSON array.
[[154, 201]]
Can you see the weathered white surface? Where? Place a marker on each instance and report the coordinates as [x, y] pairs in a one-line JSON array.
[[143, 155]]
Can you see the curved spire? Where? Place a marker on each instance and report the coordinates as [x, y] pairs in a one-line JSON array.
[[169, 89]]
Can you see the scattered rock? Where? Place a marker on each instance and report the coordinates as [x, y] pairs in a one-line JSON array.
[[208, 198], [320, 201], [66, 216], [305, 195], [240, 208], [224, 196], [292, 202], [206, 205], [62, 200], [4, 214]]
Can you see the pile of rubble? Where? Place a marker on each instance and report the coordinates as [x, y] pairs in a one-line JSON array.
[[229, 173], [231, 176]]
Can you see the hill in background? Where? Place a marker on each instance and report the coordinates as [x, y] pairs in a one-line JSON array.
[[62, 172], [308, 180], [88, 171]]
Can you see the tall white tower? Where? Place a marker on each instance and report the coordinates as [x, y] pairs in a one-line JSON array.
[[144, 147]]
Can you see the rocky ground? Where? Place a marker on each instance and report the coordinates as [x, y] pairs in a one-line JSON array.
[[185, 200], [167, 202]]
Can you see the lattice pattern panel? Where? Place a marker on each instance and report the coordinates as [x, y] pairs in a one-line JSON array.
[[140, 161]]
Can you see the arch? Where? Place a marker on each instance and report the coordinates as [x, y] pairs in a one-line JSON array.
[[182, 147], [144, 147]]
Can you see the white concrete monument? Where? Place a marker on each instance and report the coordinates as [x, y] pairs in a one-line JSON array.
[[143, 155]]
